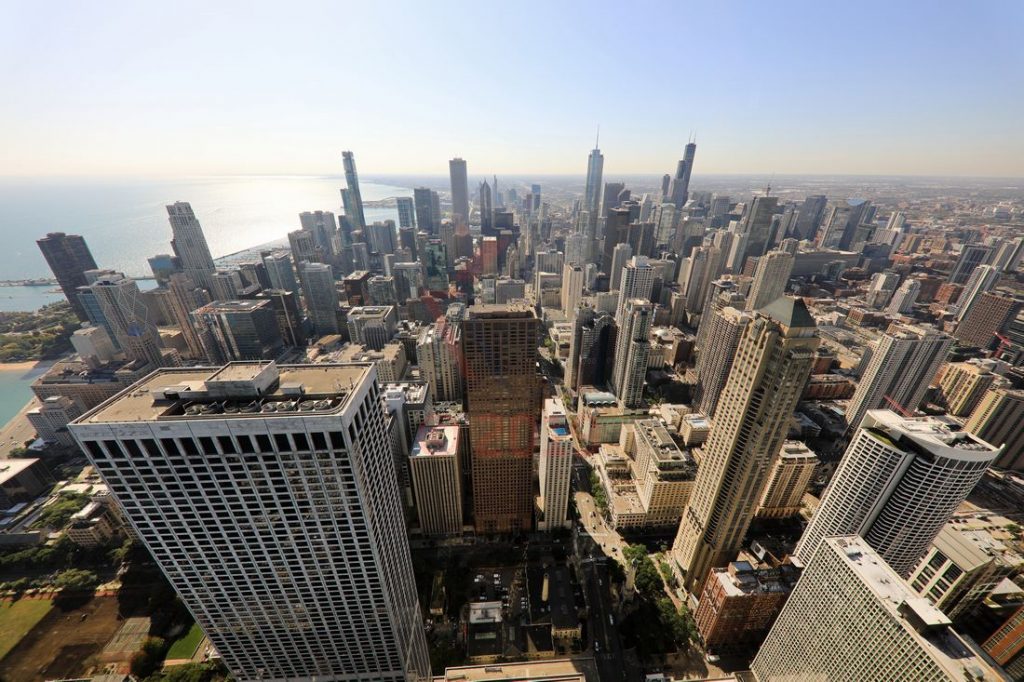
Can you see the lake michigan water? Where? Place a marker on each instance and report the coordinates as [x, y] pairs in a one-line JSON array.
[[124, 222]]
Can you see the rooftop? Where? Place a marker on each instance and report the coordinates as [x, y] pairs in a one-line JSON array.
[[9, 468], [436, 440], [934, 435], [236, 390], [790, 312], [563, 670]]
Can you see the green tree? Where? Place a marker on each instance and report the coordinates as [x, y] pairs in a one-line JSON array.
[[58, 513], [76, 580], [148, 658], [189, 672]]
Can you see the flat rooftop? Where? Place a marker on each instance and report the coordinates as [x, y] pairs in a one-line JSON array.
[[9, 468], [238, 389], [565, 670], [436, 440], [933, 434]]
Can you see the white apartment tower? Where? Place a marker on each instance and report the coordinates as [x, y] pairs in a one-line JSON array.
[[850, 617], [189, 244], [632, 349], [897, 485], [573, 280], [905, 297], [268, 497], [556, 455], [773, 361], [790, 475], [901, 367], [620, 256], [770, 278], [637, 282], [725, 328]]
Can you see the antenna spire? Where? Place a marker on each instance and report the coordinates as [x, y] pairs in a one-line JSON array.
[[597, 142]]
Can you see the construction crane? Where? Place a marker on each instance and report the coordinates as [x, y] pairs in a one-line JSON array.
[[899, 408]]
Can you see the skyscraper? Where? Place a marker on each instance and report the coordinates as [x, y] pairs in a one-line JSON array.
[[556, 456], [770, 278], [353, 198], [592, 190], [897, 485], [842, 223], [572, 288], [406, 211], [971, 256], [851, 617], [439, 355], [280, 271], [591, 349], [981, 280], [189, 244], [632, 350], [126, 317], [696, 273], [281, 530], [424, 210], [997, 420], [757, 225], [637, 281], [901, 367], [68, 257], [808, 218], [502, 396], [772, 363], [460, 190], [238, 330], [186, 296], [321, 295], [620, 256], [986, 318], [725, 327], [486, 206], [964, 384], [436, 480], [903, 300], [679, 189]]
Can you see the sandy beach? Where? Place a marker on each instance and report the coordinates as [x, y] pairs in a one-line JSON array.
[[26, 366]]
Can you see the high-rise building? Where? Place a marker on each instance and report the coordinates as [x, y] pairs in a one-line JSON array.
[[485, 205], [971, 256], [851, 617], [986, 318], [68, 257], [880, 291], [125, 317], [424, 201], [808, 218], [439, 355], [321, 294], [406, 211], [289, 317], [984, 278], [997, 420], [637, 281], [573, 281], [773, 361], [324, 228], [592, 190], [679, 188], [1006, 645], [616, 231], [238, 330], [502, 399], [189, 244], [281, 530], [897, 485], [186, 296], [903, 300], [632, 350], [382, 236], [556, 457], [226, 285], [757, 225], [790, 475], [961, 568], [280, 271], [841, 227], [436, 480], [353, 197], [900, 370], [964, 384], [621, 255], [460, 190], [372, 326], [725, 328], [591, 349], [770, 278], [507, 290], [696, 273]]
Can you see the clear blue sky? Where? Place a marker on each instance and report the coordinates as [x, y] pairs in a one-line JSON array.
[[186, 88]]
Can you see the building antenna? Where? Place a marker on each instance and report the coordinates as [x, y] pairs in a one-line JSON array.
[[597, 142]]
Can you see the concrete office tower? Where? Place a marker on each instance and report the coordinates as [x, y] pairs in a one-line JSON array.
[[573, 281], [372, 326], [556, 456], [126, 317], [485, 205], [637, 281], [679, 187], [186, 296], [984, 278], [303, 247], [226, 285], [238, 330], [286, 584], [438, 353], [189, 244], [321, 294], [354, 198], [621, 255], [406, 211], [882, 287], [790, 475], [94, 346], [592, 190], [289, 317], [725, 328], [964, 384], [997, 420], [548, 261], [808, 218], [502, 394], [324, 228], [507, 290], [986, 318], [770, 278], [382, 236], [424, 201], [773, 361], [460, 190], [902, 366], [903, 300], [898, 483], [436, 480], [577, 249], [971, 257], [697, 273], [68, 257], [280, 271], [961, 569], [851, 617], [842, 224], [757, 225], [591, 349], [632, 349]]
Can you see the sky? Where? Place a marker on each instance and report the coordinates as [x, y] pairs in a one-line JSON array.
[[211, 88]]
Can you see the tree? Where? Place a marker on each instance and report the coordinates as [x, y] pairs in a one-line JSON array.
[[189, 672], [148, 658], [76, 580], [676, 622]]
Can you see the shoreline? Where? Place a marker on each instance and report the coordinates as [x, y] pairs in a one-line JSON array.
[[24, 366]]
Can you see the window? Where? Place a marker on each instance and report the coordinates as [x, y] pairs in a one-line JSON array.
[[281, 439], [227, 445]]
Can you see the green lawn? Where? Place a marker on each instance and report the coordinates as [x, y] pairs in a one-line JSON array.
[[17, 618], [185, 646]]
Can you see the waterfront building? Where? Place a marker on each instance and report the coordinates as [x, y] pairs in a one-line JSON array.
[[68, 257]]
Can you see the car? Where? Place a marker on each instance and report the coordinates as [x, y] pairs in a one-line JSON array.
[[597, 647], [713, 658], [611, 619]]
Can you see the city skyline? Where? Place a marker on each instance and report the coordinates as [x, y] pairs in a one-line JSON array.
[[755, 93]]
